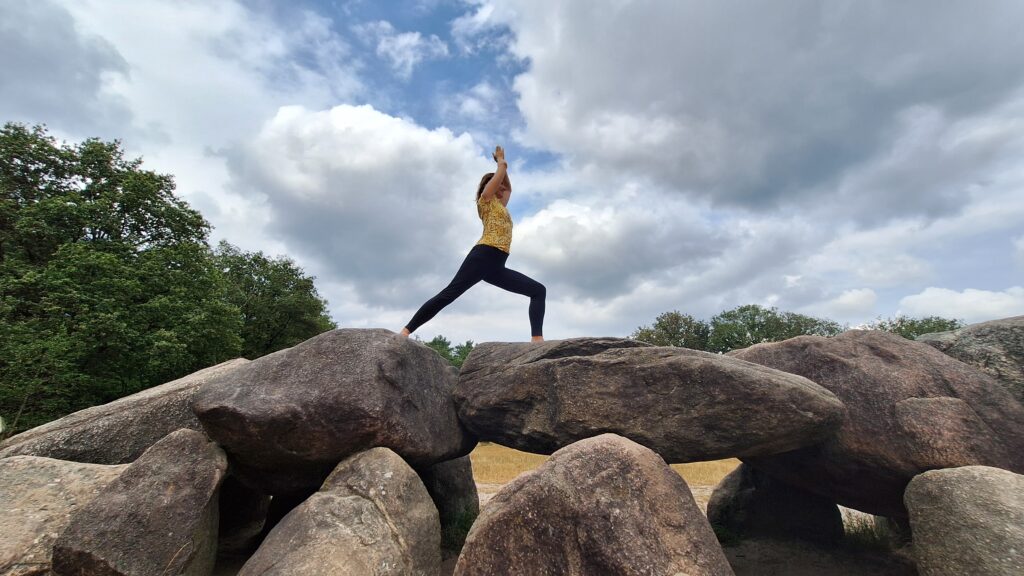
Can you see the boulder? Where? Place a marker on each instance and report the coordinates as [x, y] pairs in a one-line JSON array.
[[288, 418], [118, 432], [38, 496], [750, 503], [604, 505], [996, 347], [159, 517], [371, 516], [452, 488], [686, 405], [909, 408], [967, 520]]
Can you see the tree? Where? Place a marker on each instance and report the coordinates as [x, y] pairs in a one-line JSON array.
[[675, 329], [751, 324], [455, 356], [911, 328], [279, 304], [107, 285]]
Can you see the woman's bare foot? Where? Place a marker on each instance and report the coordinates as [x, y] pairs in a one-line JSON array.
[[536, 338], [404, 332]]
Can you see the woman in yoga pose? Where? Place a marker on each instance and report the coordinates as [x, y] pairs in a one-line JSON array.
[[486, 260]]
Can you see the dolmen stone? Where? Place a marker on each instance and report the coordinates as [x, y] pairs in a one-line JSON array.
[[452, 488], [38, 496], [749, 503], [120, 431], [686, 405], [909, 408], [603, 505], [288, 418], [996, 347], [967, 520], [158, 517], [372, 516]]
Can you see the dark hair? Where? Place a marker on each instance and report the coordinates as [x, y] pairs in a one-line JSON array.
[[483, 182]]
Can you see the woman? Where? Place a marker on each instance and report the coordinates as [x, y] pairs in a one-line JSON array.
[[486, 261]]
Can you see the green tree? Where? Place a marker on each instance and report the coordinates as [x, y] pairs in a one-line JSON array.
[[751, 324], [107, 285], [675, 329], [279, 304], [911, 328], [455, 356]]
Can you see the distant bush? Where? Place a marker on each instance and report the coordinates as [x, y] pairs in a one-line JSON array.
[[911, 328]]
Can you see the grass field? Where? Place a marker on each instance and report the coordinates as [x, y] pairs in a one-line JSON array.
[[496, 464]]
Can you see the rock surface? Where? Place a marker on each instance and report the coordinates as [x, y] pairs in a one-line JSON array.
[[997, 347], [118, 432], [909, 408], [372, 516], [750, 503], [967, 520], [453, 490], [684, 404], [159, 517], [604, 505], [38, 496], [288, 418]]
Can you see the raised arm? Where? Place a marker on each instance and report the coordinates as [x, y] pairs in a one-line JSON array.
[[499, 175]]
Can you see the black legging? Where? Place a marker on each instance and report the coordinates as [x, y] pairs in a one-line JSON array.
[[485, 263]]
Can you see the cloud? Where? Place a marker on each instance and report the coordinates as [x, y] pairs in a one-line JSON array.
[[177, 82], [1018, 251], [367, 199], [970, 305], [768, 105], [403, 50], [56, 73], [856, 303]]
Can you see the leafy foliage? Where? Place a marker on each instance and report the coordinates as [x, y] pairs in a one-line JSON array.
[[454, 355], [675, 329], [732, 329], [108, 287], [280, 306], [911, 328], [751, 324]]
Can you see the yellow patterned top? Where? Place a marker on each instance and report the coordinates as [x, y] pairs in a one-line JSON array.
[[497, 223]]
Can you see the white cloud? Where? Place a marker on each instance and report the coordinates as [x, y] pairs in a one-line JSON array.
[[853, 304], [199, 76], [467, 29], [403, 50], [769, 105], [970, 305], [377, 202]]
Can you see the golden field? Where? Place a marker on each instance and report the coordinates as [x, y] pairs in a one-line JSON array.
[[496, 464]]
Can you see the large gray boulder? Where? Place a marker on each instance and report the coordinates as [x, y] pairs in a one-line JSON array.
[[118, 432], [288, 418], [749, 503], [159, 517], [604, 505], [909, 408], [684, 404], [996, 347], [372, 516], [967, 520], [452, 488], [37, 498]]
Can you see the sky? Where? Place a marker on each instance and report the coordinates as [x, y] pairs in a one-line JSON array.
[[842, 159]]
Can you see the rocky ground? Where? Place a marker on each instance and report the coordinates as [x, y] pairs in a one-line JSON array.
[[755, 557], [763, 557]]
